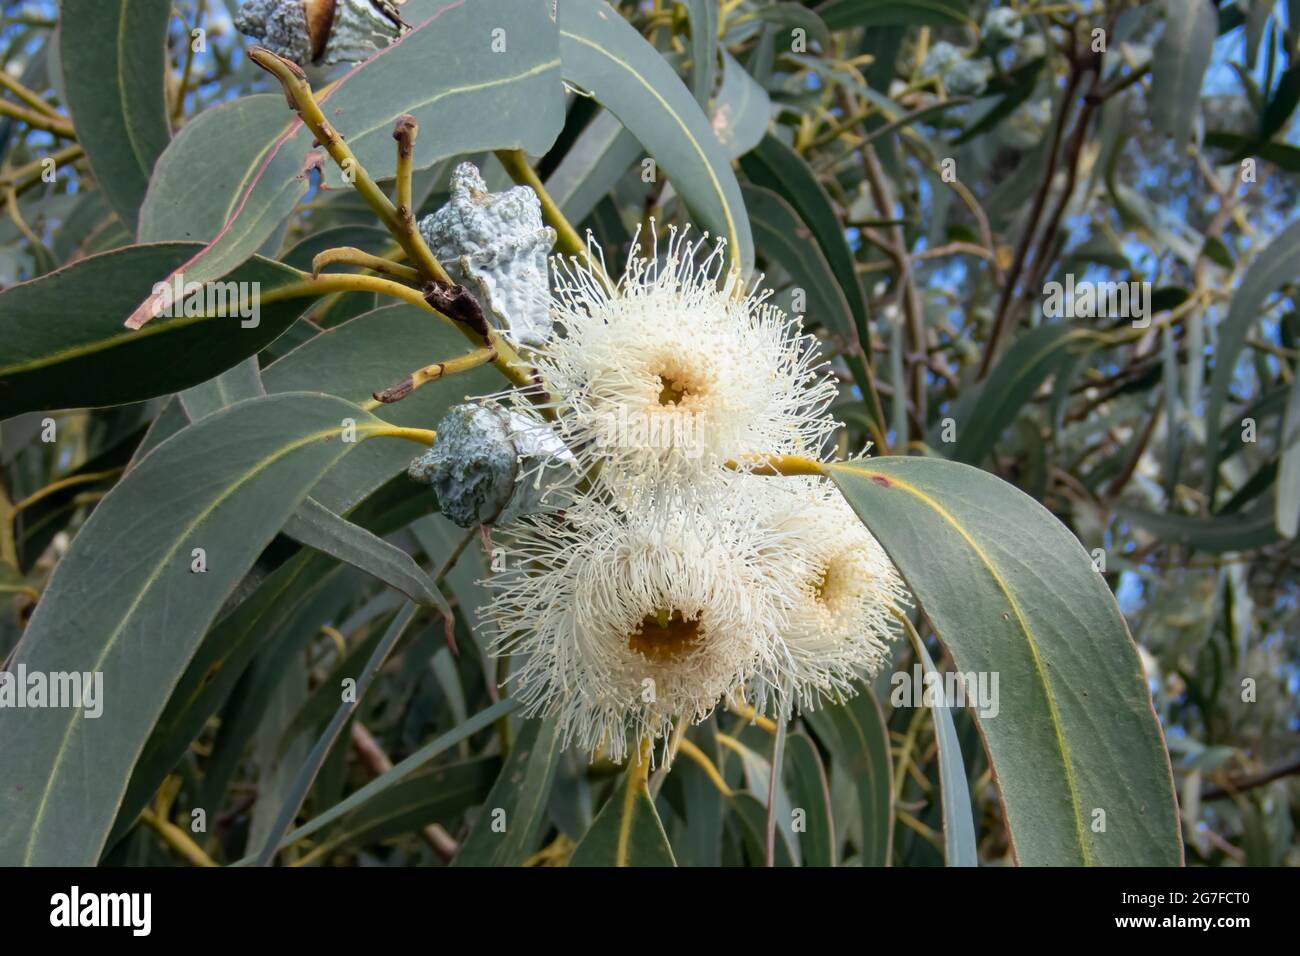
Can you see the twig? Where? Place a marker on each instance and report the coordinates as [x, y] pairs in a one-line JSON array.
[[68, 482], [27, 96], [1234, 785], [1022, 248], [348, 256], [701, 759], [300, 97], [432, 373], [177, 839], [378, 763], [38, 119]]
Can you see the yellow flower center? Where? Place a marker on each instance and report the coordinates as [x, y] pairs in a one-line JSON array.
[[678, 382], [665, 636]]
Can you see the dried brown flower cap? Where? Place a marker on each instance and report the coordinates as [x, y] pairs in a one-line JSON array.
[[320, 23]]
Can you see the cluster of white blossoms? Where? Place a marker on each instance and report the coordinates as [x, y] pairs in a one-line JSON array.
[[671, 576]]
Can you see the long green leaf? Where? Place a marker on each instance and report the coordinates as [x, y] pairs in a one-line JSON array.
[[604, 55], [1075, 744], [593, 165], [958, 823], [1245, 530], [810, 791], [233, 385], [114, 58], [318, 527], [1178, 65], [783, 239], [62, 344], [509, 826], [982, 417], [436, 794], [858, 740], [704, 48], [200, 179], [316, 758], [741, 110], [404, 771], [126, 602], [1277, 264], [779, 168], [1288, 477], [626, 832]]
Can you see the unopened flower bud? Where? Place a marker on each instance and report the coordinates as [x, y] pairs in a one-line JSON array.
[[943, 56], [968, 78], [485, 465], [497, 243], [961, 76], [1002, 26]]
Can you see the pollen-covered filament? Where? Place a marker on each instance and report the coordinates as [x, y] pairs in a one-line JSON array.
[[665, 636]]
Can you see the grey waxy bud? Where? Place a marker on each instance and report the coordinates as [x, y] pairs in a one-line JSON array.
[[961, 76], [320, 31], [968, 78], [1002, 26], [941, 58], [486, 465], [497, 243]]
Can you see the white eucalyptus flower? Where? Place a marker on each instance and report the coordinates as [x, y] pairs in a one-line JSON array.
[[846, 592], [626, 623], [663, 377]]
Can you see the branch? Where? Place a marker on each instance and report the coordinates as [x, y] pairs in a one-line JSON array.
[[57, 125], [1237, 785]]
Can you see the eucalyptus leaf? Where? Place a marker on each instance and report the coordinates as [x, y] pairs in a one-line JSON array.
[[606, 57], [626, 832], [129, 581], [858, 740], [509, 825], [114, 58], [62, 344], [1276, 264], [1074, 743], [1181, 57]]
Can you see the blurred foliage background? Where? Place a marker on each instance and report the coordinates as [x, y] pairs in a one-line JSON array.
[[915, 176]]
